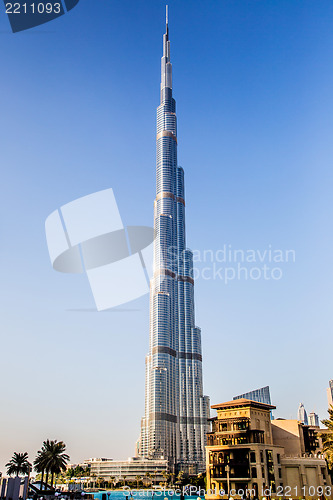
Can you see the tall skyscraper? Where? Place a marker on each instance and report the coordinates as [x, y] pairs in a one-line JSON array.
[[330, 393], [302, 415], [261, 395], [176, 411]]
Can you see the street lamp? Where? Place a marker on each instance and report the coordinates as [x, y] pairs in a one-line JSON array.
[[227, 469]]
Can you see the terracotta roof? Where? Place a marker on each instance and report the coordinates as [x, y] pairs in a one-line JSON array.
[[242, 402]]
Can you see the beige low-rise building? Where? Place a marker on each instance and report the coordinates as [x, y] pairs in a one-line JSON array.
[[129, 470], [296, 438], [250, 455]]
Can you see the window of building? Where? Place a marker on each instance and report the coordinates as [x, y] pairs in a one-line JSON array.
[[278, 458], [263, 471], [252, 456], [270, 469], [280, 473], [240, 440], [254, 472], [257, 437], [261, 457]]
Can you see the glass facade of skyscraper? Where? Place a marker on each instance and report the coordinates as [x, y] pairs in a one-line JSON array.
[[176, 411], [302, 416], [261, 395], [314, 419]]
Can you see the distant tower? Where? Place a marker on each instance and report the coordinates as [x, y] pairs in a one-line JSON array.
[[313, 419], [330, 393], [302, 415]]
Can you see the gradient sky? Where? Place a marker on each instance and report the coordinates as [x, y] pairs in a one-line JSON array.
[[253, 83]]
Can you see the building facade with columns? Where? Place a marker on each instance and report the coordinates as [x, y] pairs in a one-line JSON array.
[[129, 470], [247, 454]]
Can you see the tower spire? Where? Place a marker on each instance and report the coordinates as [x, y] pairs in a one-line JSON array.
[[166, 67]]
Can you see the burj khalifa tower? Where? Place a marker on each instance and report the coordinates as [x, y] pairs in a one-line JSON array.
[[176, 411]]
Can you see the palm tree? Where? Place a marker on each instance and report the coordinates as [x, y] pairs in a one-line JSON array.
[[57, 458], [18, 464], [181, 476], [148, 476], [166, 477], [327, 438], [93, 476], [138, 478], [99, 481], [52, 459], [124, 480], [40, 465]]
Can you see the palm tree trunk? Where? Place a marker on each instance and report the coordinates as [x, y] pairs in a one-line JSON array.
[[52, 477], [47, 478], [41, 485]]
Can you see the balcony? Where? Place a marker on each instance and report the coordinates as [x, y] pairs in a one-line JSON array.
[[238, 473]]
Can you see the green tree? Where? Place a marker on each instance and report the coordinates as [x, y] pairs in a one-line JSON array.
[[166, 477], [51, 459], [70, 472], [100, 481], [327, 438], [79, 471], [57, 458], [93, 477], [18, 464], [137, 478], [149, 476], [40, 466], [181, 476]]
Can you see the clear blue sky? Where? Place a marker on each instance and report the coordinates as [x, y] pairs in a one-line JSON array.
[[253, 82]]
